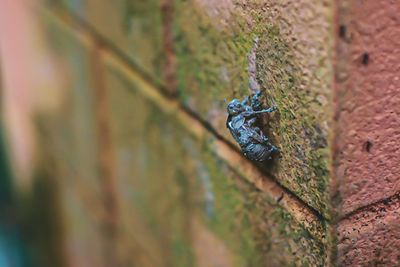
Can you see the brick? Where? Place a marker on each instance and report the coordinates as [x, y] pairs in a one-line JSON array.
[[208, 249], [227, 49], [367, 127], [151, 179], [253, 226], [370, 237], [223, 49], [184, 199], [134, 28], [368, 110]]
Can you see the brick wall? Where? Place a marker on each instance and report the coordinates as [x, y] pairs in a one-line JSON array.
[[119, 146], [368, 152]]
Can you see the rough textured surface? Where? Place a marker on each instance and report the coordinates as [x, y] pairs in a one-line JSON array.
[[368, 103], [367, 153], [180, 194], [197, 198], [227, 49], [153, 186], [371, 237]]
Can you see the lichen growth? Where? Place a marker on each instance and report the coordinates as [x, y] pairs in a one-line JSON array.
[[253, 226], [302, 165], [213, 66], [141, 25], [250, 224], [210, 61]]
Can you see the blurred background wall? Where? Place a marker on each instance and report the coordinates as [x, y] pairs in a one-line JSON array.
[[114, 149]]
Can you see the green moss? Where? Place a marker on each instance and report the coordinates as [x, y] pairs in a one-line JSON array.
[[166, 204], [210, 61], [213, 65], [299, 241], [257, 230], [153, 175], [302, 166], [230, 220], [141, 23]]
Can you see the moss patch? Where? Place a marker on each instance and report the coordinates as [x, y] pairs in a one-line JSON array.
[[213, 65]]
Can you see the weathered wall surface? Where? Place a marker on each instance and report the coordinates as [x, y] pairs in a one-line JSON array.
[[232, 48], [199, 199], [131, 138], [134, 140], [132, 143], [367, 140], [227, 49]]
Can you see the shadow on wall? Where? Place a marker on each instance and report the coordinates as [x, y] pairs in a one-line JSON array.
[[12, 251], [30, 224]]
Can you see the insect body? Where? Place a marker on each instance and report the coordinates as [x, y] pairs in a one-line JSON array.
[[242, 123]]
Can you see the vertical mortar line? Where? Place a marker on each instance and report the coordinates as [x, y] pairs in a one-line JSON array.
[[106, 157], [224, 150], [169, 67], [338, 77], [151, 90], [332, 254]]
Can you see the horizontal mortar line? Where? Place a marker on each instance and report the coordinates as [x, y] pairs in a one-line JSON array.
[[80, 25], [310, 218], [393, 199], [76, 23], [248, 171]]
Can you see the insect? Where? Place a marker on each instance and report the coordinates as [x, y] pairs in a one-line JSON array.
[[243, 121]]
